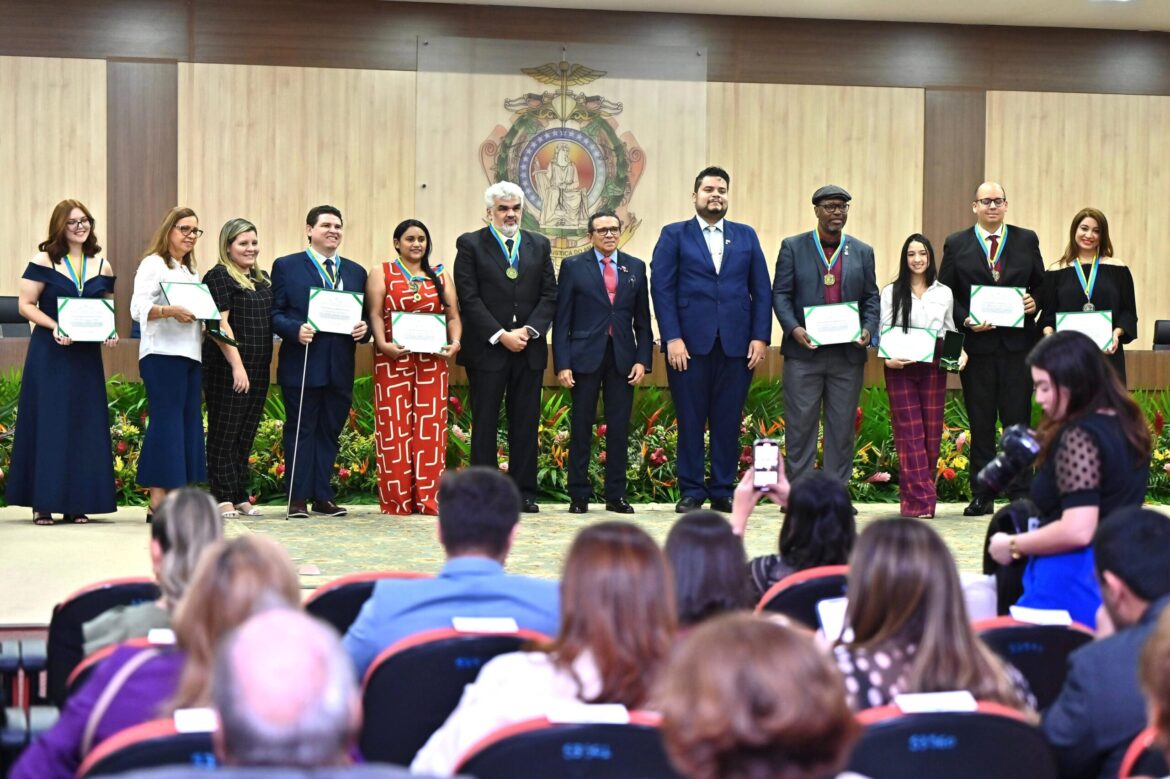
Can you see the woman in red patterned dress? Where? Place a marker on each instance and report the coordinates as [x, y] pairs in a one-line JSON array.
[[410, 388]]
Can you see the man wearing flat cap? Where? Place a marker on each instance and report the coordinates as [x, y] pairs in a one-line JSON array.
[[823, 267]]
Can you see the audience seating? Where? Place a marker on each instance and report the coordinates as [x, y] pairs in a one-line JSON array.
[[1039, 652], [413, 686], [1161, 335], [66, 647], [1144, 757], [796, 596], [148, 745], [12, 324], [339, 601], [537, 749], [994, 741], [82, 670]]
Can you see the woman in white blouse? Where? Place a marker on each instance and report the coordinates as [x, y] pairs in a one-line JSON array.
[[169, 359], [617, 630], [917, 390]]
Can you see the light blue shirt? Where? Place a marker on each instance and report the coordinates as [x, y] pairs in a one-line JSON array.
[[466, 587]]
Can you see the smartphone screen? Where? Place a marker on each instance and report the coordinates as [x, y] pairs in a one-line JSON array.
[[765, 462], [952, 349]]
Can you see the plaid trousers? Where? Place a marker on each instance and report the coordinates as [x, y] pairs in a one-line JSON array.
[[917, 395], [232, 420]]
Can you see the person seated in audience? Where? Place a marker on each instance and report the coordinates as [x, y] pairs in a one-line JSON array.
[[479, 509], [745, 698], [907, 628], [617, 630], [1100, 707], [707, 561], [233, 580], [818, 527], [185, 525], [1154, 673]]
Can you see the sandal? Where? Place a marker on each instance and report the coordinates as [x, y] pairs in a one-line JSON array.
[[228, 513], [77, 519], [149, 516], [247, 509], [42, 519]]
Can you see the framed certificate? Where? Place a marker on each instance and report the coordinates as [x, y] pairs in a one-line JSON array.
[[85, 319], [835, 323], [334, 310], [424, 333], [917, 344], [1098, 325], [999, 306], [192, 296]]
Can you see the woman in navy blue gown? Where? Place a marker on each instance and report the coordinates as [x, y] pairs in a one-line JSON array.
[[62, 419]]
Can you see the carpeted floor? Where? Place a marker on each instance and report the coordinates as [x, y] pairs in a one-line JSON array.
[[41, 565]]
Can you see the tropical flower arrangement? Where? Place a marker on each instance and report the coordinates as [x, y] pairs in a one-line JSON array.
[[653, 442]]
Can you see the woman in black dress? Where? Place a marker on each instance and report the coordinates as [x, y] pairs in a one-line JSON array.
[[1087, 278], [235, 378], [63, 387]]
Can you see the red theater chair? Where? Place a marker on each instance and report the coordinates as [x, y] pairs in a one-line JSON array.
[[796, 596], [1039, 652], [149, 745], [339, 601], [1144, 757]]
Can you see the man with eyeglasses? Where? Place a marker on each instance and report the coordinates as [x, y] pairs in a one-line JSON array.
[[601, 345], [823, 267], [996, 381], [507, 298], [710, 288], [324, 376]]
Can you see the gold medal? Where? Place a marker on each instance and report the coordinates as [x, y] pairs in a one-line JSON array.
[[1088, 307], [511, 272], [413, 285], [995, 275], [830, 279], [417, 297]]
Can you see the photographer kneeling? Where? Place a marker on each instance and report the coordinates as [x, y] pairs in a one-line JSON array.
[[1094, 458]]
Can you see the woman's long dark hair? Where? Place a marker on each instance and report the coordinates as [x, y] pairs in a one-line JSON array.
[[708, 562], [818, 527], [57, 244], [1078, 368], [902, 282], [400, 230]]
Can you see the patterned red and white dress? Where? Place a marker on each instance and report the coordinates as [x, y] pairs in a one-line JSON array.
[[410, 408]]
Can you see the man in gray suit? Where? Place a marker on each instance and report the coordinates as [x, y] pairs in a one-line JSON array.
[[823, 266]]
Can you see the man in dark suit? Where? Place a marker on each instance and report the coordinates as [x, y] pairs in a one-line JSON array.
[[823, 266], [507, 297], [710, 290], [1100, 707], [318, 364], [996, 380], [601, 343]]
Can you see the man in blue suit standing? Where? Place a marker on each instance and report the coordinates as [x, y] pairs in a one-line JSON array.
[[327, 369], [601, 344], [711, 297], [823, 266]]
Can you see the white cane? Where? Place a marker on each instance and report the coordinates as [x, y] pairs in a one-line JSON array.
[[297, 432]]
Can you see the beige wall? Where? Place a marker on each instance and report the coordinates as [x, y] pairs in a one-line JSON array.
[[1057, 153], [53, 147]]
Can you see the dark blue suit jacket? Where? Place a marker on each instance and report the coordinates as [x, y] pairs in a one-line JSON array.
[[331, 354], [798, 283], [694, 303], [584, 315]]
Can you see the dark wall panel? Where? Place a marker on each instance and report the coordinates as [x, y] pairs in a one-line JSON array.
[[953, 160], [142, 164], [147, 29]]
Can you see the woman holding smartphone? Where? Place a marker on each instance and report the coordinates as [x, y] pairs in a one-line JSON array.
[[917, 390]]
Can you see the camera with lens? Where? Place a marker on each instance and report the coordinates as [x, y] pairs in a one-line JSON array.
[[1020, 447]]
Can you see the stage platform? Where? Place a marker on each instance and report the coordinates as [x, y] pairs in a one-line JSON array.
[[41, 565]]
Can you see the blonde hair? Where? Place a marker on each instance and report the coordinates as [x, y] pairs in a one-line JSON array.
[[185, 525], [231, 230], [160, 242]]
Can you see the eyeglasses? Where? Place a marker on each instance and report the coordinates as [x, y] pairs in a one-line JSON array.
[[988, 202], [834, 208], [187, 230], [74, 224], [607, 231]]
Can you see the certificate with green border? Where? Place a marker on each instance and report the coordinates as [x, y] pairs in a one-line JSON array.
[[85, 319], [833, 323], [193, 296], [1098, 325], [419, 332], [999, 306], [334, 310], [917, 344]]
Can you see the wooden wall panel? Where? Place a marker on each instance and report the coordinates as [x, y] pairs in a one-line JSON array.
[[269, 143], [780, 143], [53, 147], [147, 29], [142, 164], [953, 153], [1056, 153]]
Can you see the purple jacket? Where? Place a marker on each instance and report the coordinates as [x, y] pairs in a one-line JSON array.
[[56, 754]]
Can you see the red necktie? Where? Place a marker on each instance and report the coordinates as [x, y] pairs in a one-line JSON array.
[[993, 240], [610, 274]]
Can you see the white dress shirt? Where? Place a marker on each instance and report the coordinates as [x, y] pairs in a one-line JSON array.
[[168, 335], [714, 236], [934, 310]]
